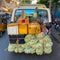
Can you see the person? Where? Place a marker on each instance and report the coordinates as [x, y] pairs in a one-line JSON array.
[[22, 17], [44, 29], [35, 17]]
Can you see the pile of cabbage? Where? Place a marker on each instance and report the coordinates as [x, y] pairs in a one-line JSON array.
[[38, 43]]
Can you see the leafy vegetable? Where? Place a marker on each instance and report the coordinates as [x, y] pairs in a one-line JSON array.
[[29, 50], [48, 50], [34, 44], [29, 37], [16, 50], [11, 47], [40, 35], [39, 51], [38, 45]]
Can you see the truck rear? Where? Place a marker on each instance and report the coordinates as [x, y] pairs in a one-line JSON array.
[[28, 32]]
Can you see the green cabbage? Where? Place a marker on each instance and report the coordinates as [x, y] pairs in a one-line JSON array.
[[47, 39], [29, 50], [39, 51], [32, 50], [21, 50], [31, 42], [29, 37], [48, 44], [23, 46], [40, 35], [41, 41], [38, 45], [16, 50], [11, 47], [48, 50], [26, 45]]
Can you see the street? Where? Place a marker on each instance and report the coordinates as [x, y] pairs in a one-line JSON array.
[[5, 55], [30, 17]]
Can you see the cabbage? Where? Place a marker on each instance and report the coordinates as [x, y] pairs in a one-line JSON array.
[[40, 35], [47, 39], [38, 45], [29, 50], [11, 47], [39, 51], [31, 42], [23, 46], [32, 50], [48, 44], [29, 37], [16, 50], [20, 50], [26, 45], [41, 41], [26, 50], [48, 50]]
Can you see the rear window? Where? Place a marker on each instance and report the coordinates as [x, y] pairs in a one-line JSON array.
[[40, 14]]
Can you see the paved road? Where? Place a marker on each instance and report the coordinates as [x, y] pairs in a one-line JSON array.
[[5, 55]]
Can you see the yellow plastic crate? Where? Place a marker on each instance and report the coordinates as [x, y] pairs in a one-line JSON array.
[[22, 29]]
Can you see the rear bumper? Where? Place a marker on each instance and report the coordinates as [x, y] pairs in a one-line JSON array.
[[13, 38]]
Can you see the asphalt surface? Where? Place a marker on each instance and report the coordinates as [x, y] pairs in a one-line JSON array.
[[56, 34], [5, 55]]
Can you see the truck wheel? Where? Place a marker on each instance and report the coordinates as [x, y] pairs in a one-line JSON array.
[[0, 34]]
